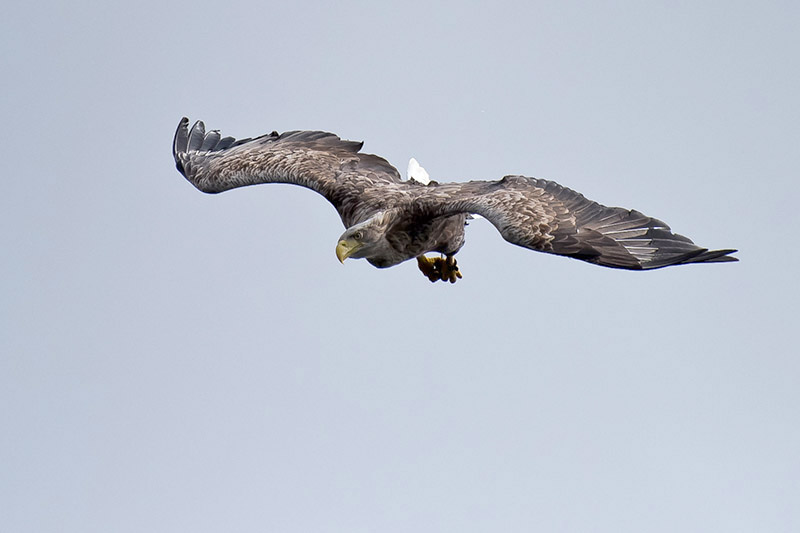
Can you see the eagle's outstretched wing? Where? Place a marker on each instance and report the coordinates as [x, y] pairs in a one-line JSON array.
[[544, 216], [314, 159]]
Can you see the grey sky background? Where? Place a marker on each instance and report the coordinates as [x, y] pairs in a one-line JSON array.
[[173, 361]]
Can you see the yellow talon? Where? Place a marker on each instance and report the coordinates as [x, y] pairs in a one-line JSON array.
[[439, 268]]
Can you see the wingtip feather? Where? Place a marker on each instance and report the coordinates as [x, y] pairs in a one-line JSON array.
[[181, 140], [196, 135], [715, 256]]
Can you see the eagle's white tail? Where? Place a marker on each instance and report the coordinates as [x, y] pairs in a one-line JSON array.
[[417, 173]]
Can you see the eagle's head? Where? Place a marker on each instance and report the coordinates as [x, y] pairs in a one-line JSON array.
[[364, 240]]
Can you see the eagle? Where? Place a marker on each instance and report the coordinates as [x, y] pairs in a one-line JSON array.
[[389, 220]]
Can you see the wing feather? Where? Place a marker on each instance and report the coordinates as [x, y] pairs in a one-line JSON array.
[[317, 160], [545, 216]]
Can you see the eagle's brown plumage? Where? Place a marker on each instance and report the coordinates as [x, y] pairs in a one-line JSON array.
[[394, 220]]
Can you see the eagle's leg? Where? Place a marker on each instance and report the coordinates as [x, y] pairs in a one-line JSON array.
[[430, 267], [439, 268], [450, 270]]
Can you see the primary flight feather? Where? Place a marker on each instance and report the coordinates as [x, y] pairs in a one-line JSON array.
[[389, 220]]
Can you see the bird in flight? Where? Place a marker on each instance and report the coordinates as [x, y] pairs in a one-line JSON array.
[[389, 220]]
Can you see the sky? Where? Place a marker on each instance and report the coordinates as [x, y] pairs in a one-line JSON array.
[[174, 361]]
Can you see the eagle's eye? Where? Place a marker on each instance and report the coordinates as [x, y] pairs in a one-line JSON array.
[[358, 235]]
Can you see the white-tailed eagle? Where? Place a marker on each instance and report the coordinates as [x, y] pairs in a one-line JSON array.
[[389, 220]]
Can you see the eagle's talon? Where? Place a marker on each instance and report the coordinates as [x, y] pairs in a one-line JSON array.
[[450, 270], [439, 268]]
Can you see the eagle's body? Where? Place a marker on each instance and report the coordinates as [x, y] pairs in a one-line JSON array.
[[390, 220]]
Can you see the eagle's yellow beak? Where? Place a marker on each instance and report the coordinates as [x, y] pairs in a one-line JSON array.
[[346, 248]]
